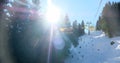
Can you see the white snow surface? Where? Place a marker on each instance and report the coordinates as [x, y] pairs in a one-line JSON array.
[[95, 48]]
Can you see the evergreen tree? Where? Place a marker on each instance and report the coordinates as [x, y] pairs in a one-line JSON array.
[[109, 20], [66, 21], [5, 20], [98, 27], [75, 25], [29, 36], [79, 29], [26, 32], [83, 27]]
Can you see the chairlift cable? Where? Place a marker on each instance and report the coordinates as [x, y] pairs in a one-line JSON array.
[[98, 7]]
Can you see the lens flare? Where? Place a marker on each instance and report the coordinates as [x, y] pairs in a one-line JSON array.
[[58, 42], [53, 13]]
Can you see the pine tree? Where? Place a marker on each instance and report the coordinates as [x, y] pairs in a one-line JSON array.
[[67, 22], [109, 20], [79, 29], [5, 21], [83, 27], [75, 25], [26, 32]]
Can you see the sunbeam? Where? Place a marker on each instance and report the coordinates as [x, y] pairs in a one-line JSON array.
[[53, 13], [50, 43]]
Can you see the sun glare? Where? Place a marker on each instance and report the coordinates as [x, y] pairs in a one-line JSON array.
[[53, 13]]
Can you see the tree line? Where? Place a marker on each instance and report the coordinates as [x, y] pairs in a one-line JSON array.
[[77, 28], [74, 30], [109, 21], [27, 34]]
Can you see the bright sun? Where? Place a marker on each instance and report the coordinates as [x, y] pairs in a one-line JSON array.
[[53, 13]]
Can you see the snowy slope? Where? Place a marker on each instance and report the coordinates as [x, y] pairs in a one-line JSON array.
[[95, 48]]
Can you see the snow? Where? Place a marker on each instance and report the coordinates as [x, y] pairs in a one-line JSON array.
[[95, 48]]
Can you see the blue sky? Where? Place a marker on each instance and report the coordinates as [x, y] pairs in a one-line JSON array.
[[79, 9]]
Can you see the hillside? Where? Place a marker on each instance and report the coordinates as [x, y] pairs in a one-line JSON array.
[[95, 48]]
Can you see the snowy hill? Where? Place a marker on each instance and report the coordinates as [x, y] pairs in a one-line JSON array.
[[95, 48]]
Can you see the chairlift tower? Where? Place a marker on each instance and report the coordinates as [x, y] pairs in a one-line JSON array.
[[88, 24]]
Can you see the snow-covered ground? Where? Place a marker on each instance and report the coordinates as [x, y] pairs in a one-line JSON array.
[[95, 48]]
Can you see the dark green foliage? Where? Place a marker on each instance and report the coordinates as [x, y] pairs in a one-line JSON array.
[[83, 27], [109, 21], [29, 36], [98, 24], [30, 39], [75, 25], [74, 36], [74, 40], [102, 25], [24, 35], [78, 30], [65, 23]]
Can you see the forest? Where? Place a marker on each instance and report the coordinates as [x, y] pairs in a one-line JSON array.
[[109, 21], [28, 34]]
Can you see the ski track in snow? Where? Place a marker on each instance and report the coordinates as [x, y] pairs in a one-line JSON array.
[[95, 48]]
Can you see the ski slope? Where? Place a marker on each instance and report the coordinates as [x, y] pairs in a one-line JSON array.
[[95, 48]]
